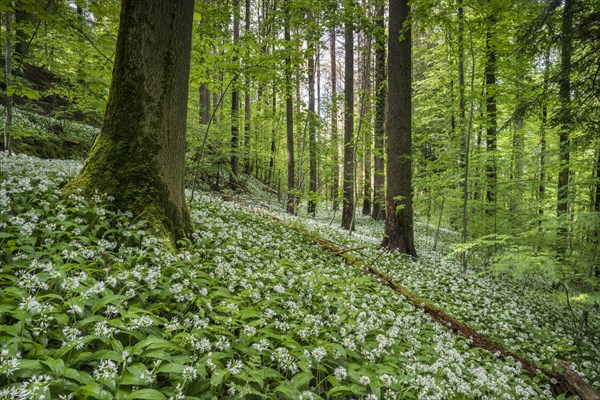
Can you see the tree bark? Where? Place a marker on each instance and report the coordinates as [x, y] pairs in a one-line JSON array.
[[399, 216], [368, 154], [335, 187], [235, 97], [205, 109], [490, 107], [247, 106], [139, 155], [312, 129], [349, 161], [9, 99], [378, 211], [544, 122], [289, 115], [562, 198], [464, 133]]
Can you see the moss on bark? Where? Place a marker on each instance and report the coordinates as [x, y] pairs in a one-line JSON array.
[[139, 155]]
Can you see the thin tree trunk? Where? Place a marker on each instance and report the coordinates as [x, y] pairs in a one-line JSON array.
[[349, 161], [205, 109], [335, 188], [367, 168], [465, 133], [289, 114], [247, 108], [542, 183], [491, 122], [562, 199], [378, 212], [271, 171], [519, 136], [9, 98], [399, 216], [312, 129], [235, 98]]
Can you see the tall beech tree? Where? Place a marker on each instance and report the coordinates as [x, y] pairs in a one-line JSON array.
[[335, 186], [491, 112], [289, 115], [8, 76], [562, 198], [235, 97], [399, 204], [378, 211], [349, 155], [312, 124], [139, 155]]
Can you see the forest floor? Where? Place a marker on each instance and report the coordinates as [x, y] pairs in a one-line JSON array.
[[93, 306]]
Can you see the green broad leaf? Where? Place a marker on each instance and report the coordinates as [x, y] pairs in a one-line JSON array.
[[70, 346], [93, 390], [346, 390], [271, 373], [89, 320], [171, 368], [301, 380], [288, 391], [78, 376], [218, 376], [153, 342], [27, 249], [157, 354], [110, 299], [134, 375], [56, 366], [100, 355], [31, 365], [146, 394]]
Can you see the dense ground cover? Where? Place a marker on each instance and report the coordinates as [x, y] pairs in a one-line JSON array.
[[529, 315], [48, 137], [92, 306]]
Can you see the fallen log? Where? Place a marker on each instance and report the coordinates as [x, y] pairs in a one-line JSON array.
[[581, 387]]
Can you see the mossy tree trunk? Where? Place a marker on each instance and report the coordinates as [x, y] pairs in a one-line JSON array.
[[8, 75], [139, 155], [378, 211]]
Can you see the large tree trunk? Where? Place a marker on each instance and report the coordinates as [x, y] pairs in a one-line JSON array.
[[378, 211], [139, 155], [399, 216], [348, 184], [335, 188], [562, 198], [289, 116]]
